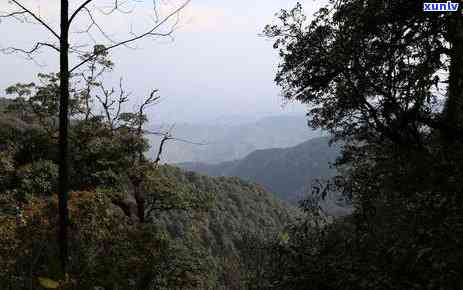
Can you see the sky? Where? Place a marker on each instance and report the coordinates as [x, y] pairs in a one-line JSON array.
[[215, 66]]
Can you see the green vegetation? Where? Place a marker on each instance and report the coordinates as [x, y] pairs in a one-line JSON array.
[[240, 210], [134, 224], [373, 74]]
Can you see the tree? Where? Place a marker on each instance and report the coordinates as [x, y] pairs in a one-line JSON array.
[[108, 163], [105, 138], [372, 68], [385, 77], [375, 74], [67, 19], [454, 102]]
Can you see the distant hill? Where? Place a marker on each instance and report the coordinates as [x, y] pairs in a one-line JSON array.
[[286, 172], [230, 142]]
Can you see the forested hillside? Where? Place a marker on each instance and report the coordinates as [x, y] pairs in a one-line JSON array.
[[186, 219], [286, 172], [238, 208], [133, 223]]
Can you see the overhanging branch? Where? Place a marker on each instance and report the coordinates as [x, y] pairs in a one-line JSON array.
[[27, 11], [76, 12], [35, 48], [150, 32]]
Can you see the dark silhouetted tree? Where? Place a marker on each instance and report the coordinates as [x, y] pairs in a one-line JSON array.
[[67, 17]]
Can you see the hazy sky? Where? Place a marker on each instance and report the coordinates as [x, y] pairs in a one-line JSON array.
[[217, 65]]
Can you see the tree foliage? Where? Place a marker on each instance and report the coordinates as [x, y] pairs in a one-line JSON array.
[[381, 76]]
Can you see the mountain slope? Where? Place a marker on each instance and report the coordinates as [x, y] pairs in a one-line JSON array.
[[230, 142], [283, 171], [239, 207]]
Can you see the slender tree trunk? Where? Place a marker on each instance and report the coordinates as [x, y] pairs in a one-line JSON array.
[[140, 200], [63, 137], [138, 160]]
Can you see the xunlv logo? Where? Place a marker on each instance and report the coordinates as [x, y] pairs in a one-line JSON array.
[[449, 6]]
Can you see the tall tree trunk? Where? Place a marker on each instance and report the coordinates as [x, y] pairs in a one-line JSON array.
[[453, 114], [63, 136], [140, 200]]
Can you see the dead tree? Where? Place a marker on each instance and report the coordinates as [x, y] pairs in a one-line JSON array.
[[119, 121], [62, 46], [137, 178]]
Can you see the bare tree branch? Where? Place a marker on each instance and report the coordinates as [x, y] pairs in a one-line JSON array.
[[13, 14], [94, 23], [27, 11], [82, 6], [123, 98], [117, 7], [167, 136], [172, 138], [150, 32], [35, 48], [164, 139]]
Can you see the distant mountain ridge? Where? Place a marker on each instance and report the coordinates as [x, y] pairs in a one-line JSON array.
[[286, 172], [234, 141]]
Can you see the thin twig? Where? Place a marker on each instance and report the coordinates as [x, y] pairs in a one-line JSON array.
[[150, 32], [36, 18], [82, 6]]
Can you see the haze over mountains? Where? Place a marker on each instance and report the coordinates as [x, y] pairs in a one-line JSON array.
[[287, 172], [228, 138], [280, 153]]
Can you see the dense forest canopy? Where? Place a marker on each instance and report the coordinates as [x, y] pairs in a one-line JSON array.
[[386, 78], [383, 78]]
